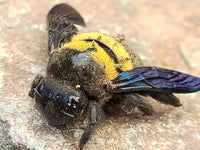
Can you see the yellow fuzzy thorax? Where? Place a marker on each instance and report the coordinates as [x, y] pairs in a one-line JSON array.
[[78, 43]]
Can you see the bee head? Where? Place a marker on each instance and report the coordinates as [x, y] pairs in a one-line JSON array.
[[57, 99]]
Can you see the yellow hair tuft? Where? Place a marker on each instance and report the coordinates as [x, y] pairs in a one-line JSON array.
[[79, 43]]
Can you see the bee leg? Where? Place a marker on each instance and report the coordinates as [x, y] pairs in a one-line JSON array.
[[165, 98], [35, 82], [125, 104], [133, 99], [95, 115]]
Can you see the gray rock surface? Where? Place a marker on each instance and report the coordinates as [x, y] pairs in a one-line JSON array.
[[164, 33]]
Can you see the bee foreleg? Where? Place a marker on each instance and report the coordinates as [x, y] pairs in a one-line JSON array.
[[95, 115]]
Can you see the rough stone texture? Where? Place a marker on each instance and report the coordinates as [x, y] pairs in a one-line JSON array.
[[164, 33]]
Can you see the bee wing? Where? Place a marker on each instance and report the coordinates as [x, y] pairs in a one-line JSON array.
[[63, 13], [155, 79], [60, 24]]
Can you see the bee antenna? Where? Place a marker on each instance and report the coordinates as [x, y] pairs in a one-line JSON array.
[[65, 113], [36, 91]]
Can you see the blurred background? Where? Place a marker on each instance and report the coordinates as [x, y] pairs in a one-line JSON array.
[[163, 33]]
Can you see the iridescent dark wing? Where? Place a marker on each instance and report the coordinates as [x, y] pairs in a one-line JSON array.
[[63, 13], [60, 24], [155, 79]]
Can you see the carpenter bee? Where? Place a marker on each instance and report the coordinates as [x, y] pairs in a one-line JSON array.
[[86, 71]]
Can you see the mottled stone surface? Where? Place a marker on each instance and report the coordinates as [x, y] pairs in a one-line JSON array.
[[164, 33]]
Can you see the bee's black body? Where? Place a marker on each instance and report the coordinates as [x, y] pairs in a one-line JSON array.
[[80, 82]]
